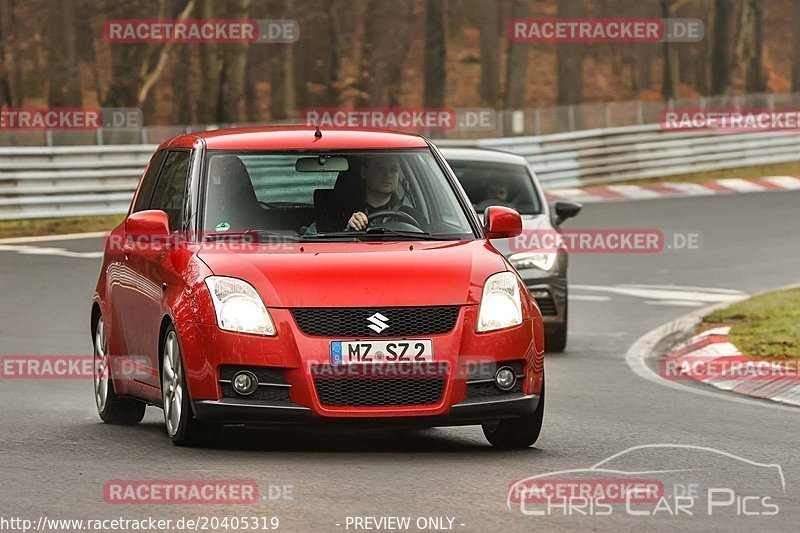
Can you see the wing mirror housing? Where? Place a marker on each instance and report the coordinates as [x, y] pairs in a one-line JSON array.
[[566, 209], [501, 222]]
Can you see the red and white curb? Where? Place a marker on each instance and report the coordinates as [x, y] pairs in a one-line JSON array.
[[713, 346], [616, 193]]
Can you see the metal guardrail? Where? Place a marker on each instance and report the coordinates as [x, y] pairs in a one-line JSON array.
[[641, 152], [92, 180]]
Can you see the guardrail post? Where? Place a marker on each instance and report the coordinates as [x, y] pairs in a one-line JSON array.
[[48, 135], [98, 135], [571, 117]]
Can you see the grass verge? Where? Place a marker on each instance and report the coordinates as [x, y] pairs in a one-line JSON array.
[[758, 171], [29, 227], [765, 326]]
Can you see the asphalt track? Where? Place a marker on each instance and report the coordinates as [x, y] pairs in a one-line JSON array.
[[56, 456]]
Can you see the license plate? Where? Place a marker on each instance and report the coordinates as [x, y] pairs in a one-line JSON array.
[[407, 351]]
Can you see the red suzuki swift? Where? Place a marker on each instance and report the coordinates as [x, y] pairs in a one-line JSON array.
[[291, 275]]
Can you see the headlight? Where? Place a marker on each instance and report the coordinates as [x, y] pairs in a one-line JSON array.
[[239, 307], [501, 306], [543, 260]]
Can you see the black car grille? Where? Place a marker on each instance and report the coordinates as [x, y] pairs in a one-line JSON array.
[[355, 321], [378, 385], [272, 383], [547, 306]]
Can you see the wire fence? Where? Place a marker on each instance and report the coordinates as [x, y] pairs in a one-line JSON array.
[[505, 123]]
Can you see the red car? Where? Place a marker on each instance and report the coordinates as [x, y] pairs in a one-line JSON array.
[[292, 275]]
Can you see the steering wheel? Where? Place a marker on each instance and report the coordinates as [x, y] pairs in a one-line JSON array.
[[389, 213]]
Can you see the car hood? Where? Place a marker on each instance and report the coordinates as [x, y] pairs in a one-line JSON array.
[[359, 274], [530, 224]]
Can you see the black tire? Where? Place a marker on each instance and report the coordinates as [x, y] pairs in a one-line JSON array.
[[556, 341], [111, 408], [183, 428], [517, 432]]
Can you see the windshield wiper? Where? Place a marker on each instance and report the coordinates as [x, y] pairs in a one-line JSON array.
[[258, 234], [407, 235]]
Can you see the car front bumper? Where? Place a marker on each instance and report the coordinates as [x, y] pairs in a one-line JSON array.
[[207, 350], [468, 412]]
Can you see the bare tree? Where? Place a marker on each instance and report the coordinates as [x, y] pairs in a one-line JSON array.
[[234, 69], [489, 43], [796, 47], [670, 81], [64, 74], [756, 81], [517, 63], [569, 58], [435, 55], [722, 63]]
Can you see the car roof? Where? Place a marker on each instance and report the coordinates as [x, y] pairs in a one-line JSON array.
[[483, 155], [297, 138]]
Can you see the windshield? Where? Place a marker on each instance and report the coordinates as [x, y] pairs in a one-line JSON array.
[[503, 184], [400, 194]]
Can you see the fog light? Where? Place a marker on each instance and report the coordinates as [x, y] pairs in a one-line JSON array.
[[505, 378], [245, 383]]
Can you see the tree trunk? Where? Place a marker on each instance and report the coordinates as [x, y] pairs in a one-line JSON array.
[[490, 43], [796, 47], [435, 54], [670, 81], [5, 85], [756, 81], [210, 71], [517, 63], [64, 72], [234, 65], [722, 51], [569, 59]]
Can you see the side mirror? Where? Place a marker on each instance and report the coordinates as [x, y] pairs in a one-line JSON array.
[[501, 222], [566, 209], [148, 228]]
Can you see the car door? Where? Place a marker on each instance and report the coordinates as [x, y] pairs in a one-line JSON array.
[[118, 288], [146, 265]]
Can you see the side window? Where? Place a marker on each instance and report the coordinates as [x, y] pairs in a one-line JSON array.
[[170, 191], [142, 201]]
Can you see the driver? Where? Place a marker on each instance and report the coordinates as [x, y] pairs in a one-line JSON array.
[[381, 175]]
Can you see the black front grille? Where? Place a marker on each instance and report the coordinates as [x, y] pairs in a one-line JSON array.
[[355, 321], [364, 387], [547, 306]]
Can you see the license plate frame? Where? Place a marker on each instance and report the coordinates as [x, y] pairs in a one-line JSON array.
[[369, 351]]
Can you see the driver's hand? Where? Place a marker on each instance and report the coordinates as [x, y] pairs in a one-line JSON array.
[[357, 222]]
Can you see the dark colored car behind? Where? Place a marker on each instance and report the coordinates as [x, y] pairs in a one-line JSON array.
[[491, 177]]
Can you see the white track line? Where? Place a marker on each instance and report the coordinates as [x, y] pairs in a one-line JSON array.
[[51, 238]]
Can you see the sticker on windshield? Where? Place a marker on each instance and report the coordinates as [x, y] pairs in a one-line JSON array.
[[223, 226]]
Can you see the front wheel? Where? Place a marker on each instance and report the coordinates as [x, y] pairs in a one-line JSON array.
[[517, 432], [111, 408], [182, 427]]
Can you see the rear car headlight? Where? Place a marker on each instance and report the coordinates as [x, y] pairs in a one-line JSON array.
[[239, 307], [542, 260], [501, 306]]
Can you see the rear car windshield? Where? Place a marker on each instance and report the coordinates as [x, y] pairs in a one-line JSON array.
[[273, 192], [501, 184]]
